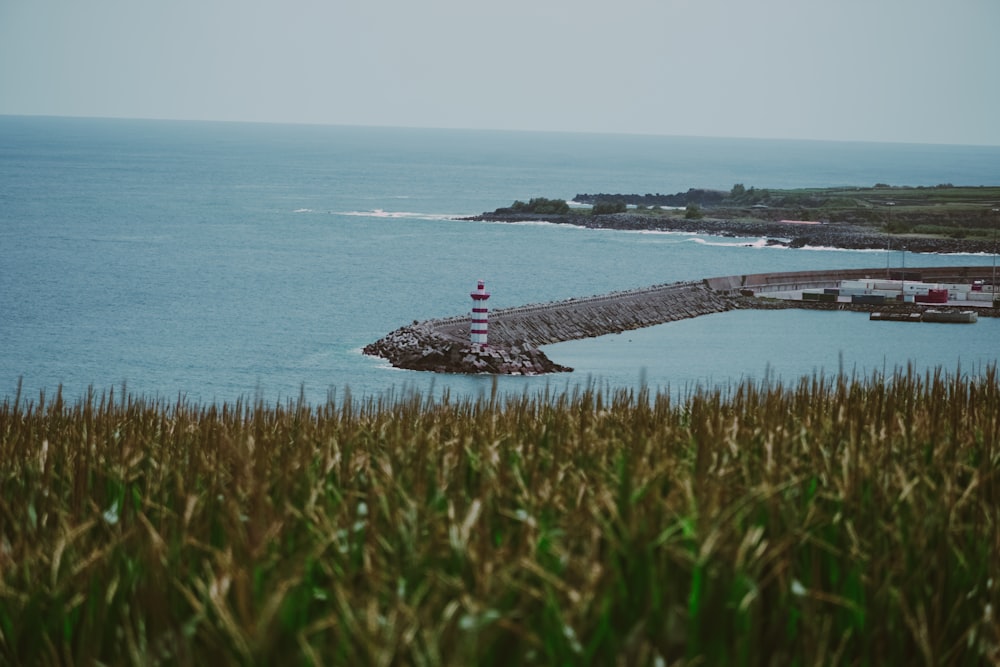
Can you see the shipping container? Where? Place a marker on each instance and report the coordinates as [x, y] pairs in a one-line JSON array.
[[868, 298], [933, 296]]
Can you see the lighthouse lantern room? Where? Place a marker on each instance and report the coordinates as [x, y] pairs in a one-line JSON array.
[[479, 311]]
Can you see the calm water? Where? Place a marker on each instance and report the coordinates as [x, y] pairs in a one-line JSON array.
[[220, 261]]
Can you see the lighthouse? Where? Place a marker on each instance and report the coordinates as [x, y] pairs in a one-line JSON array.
[[479, 311]]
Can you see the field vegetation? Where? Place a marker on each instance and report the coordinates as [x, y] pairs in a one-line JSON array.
[[833, 521], [943, 210]]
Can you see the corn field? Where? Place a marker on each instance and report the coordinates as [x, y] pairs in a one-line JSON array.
[[833, 521]]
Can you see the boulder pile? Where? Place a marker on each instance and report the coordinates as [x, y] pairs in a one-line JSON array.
[[420, 348]]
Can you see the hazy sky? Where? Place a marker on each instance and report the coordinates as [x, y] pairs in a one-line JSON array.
[[878, 70]]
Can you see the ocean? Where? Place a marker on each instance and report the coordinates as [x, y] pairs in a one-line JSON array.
[[218, 261]]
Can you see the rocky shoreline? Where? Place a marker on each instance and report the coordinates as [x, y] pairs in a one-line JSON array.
[[788, 234]]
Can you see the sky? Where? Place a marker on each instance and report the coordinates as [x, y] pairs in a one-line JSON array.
[[846, 70]]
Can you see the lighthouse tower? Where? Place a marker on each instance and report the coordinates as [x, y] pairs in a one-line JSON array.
[[479, 311]]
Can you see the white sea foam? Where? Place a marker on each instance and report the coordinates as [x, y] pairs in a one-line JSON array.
[[827, 248], [688, 236], [960, 254], [303, 210], [763, 243], [410, 215], [537, 223], [747, 243]]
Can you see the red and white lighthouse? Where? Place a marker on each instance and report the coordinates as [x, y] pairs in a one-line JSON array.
[[479, 311]]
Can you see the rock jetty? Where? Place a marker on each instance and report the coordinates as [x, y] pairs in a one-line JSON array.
[[420, 347], [586, 317], [515, 333], [443, 345]]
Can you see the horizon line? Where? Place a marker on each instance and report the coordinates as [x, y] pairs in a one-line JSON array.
[[621, 133]]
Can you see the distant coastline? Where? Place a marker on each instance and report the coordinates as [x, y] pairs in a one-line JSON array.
[[942, 219]]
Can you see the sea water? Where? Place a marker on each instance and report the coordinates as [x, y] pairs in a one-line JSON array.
[[218, 261]]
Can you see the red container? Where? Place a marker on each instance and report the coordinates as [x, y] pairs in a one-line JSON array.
[[933, 296]]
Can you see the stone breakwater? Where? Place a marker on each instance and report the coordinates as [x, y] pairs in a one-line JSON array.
[[443, 345], [515, 333], [420, 347], [571, 319]]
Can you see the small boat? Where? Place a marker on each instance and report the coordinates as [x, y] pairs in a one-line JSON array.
[[957, 316]]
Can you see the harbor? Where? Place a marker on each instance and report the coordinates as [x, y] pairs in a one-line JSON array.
[[909, 298]]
